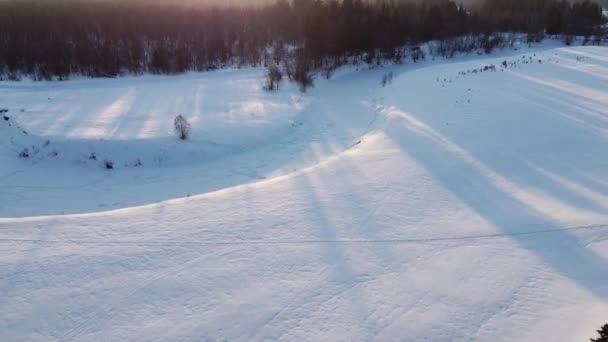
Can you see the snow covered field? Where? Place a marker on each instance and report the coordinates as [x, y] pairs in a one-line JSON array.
[[463, 201]]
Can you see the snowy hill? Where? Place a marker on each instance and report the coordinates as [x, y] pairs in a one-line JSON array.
[[463, 201]]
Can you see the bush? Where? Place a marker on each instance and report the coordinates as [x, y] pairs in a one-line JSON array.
[[303, 77], [448, 48], [108, 164], [25, 153], [418, 54], [535, 37], [491, 42], [274, 76], [330, 66], [603, 334], [182, 127], [300, 70], [387, 79]]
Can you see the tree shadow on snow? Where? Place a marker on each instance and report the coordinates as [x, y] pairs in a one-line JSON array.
[[490, 191]]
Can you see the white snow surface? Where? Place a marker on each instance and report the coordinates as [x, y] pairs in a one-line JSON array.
[[450, 205]]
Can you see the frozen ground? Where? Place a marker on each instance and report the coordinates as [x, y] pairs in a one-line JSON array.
[[455, 204]]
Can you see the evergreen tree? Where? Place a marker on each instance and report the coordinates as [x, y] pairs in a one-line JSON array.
[[603, 332]]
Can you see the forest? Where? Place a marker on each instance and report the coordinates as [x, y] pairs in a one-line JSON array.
[[105, 38]]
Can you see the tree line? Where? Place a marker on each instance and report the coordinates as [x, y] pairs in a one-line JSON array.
[[104, 38]]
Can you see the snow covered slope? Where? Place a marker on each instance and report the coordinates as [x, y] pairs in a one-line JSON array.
[[464, 201]]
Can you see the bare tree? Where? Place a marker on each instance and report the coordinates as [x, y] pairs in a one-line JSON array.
[[387, 79], [111, 37], [182, 127], [274, 76], [301, 72]]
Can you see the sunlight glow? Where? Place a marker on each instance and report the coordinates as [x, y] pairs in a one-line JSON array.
[[106, 123]]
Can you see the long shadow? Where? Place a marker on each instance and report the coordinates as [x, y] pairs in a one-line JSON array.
[[531, 167], [560, 250], [369, 207], [560, 124], [590, 52], [343, 275]]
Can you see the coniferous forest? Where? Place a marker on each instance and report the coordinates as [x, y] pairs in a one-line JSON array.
[[105, 38]]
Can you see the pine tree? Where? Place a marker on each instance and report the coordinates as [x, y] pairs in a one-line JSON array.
[[603, 334]]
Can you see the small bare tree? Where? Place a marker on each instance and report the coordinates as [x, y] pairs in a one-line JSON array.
[[387, 79], [303, 74], [274, 76], [418, 54], [182, 127]]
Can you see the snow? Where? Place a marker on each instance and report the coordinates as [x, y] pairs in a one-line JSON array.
[[449, 205]]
